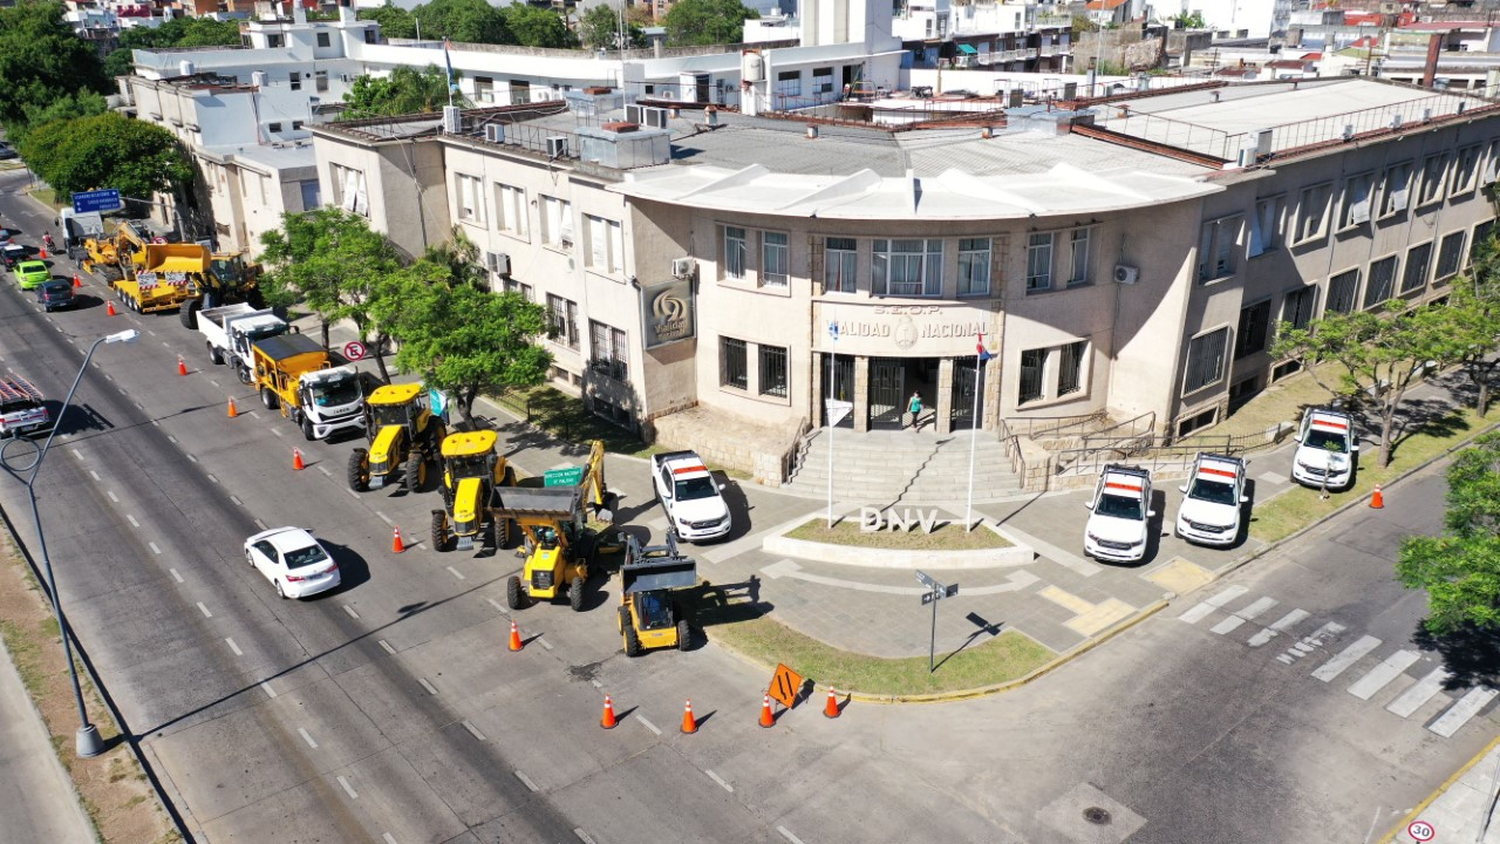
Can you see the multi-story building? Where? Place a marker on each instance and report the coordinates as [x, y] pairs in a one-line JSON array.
[[1129, 256]]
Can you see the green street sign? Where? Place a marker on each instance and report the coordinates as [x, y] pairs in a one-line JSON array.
[[571, 476]]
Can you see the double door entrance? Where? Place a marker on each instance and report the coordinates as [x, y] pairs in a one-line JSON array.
[[947, 388]]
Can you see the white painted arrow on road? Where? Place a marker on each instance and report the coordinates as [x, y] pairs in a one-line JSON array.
[[1015, 582]]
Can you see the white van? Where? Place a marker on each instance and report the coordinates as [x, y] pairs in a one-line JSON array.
[[1325, 450]]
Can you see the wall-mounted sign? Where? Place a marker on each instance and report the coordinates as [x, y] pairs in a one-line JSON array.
[[668, 313]]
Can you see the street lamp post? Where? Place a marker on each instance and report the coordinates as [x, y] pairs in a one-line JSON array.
[[88, 743]]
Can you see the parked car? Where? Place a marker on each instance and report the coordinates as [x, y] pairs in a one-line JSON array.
[[56, 294], [1325, 449], [8, 152], [690, 496], [14, 253], [1210, 515], [293, 560], [1122, 515], [30, 274]]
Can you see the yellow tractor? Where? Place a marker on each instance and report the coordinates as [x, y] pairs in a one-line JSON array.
[[559, 547], [472, 476], [403, 432], [651, 580]]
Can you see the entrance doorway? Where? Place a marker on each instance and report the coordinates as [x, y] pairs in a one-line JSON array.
[[968, 382], [892, 381]]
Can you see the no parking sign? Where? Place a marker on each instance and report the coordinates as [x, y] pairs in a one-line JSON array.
[[354, 350]]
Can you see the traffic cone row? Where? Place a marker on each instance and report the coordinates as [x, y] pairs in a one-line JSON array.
[[608, 720], [1377, 501], [396, 544], [515, 636], [297, 463]]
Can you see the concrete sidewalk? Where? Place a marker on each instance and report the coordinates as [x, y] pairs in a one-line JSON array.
[[1462, 810], [38, 796]]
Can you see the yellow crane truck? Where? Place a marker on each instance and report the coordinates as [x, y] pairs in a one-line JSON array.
[[403, 432], [168, 277], [652, 581], [472, 476], [559, 545], [294, 375]]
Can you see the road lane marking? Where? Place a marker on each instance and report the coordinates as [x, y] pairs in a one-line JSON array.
[[175, 576], [349, 788], [1376, 678], [204, 610], [1310, 643], [546, 644], [307, 737], [648, 725], [211, 477], [265, 686], [1345, 658], [426, 685], [1291, 619], [276, 431], [473, 730], [325, 471], [388, 838], [1201, 609], [350, 610], [237, 501], [152, 546], [352, 493], [1420, 692], [526, 781], [234, 647], [456, 573], [387, 646], [496, 604], [155, 423], [76, 453], [171, 438], [131, 519], [193, 458], [1254, 611], [1227, 625], [1459, 713], [213, 382], [112, 496], [260, 524], [597, 684], [94, 475], [720, 780], [584, 837], [384, 517], [787, 834]]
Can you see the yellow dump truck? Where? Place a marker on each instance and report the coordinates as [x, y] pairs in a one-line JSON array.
[[294, 376], [169, 276]]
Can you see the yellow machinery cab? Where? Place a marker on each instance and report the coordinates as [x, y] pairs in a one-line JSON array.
[[472, 472], [654, 580], [402, 431], [559, 547]]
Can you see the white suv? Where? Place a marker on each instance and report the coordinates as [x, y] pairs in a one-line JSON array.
[[1325, 450], [1121, 504], [1210, 514]]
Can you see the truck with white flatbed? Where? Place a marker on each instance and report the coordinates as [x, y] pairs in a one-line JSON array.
[[22, 412], [230, 330], [690, 495]]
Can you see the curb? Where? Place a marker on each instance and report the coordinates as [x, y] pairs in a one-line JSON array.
[[1441, 790]]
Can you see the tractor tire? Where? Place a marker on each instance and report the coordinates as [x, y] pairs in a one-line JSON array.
[[439, 530], [269, 399], [633, 643], [416, 471], [684, 636], [214, 354], [188, 314], [623, 620], [359, 470], [500, 531], [575, 594], [515, 597], [307, 429]]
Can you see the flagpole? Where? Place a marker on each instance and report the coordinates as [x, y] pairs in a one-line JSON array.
[[833, 331], [973, 436]]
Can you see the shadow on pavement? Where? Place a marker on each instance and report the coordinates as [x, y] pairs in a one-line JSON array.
[[1471, 655]]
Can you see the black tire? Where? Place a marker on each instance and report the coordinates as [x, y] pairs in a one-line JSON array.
[[242, 372], [575, 594], [633, 643], [214, 354], [684, 636], [280, 593], [439, 530], [249, 560], [416, 471], [500, 532], [358, 473], [307, 428], [623, 621], [188, 314], [269, 399], [515, 598]]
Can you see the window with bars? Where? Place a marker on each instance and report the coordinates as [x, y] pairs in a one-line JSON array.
[[1033, 364], [1205, 364], [606, 245], [789, 83], [822, 80], [1297, 306], [1418, 260], [610, 356], [773, 371], [513, 286], [1216, 248], [562, 319], [1343, 293], [974, 266], [734, 364], [840, 264], [773, 259], [1482, 234], [470, 198], [908, 267], [1070, 367], [1078, 257], [1039, 261], [511, 202], [1382, 282], [734, 253], [1450, 256], [1255, 325]]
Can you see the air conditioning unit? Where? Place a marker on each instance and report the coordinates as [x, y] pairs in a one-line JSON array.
[[1126, 274], [683, 267], [499, 262], [495, 133], [656, 118], [557, 146]]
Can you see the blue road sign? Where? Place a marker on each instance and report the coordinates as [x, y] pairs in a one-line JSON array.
[[92, 201]]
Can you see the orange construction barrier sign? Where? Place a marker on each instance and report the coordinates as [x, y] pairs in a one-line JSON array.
[[785, 685]]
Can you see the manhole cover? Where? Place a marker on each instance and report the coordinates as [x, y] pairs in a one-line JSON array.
[[1096, 815]]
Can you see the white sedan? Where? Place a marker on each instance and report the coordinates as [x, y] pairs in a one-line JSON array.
[[293, 560]]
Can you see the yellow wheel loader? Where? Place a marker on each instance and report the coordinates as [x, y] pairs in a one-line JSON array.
[[472, 476], [653, 581], [559, 547], [403, 434]]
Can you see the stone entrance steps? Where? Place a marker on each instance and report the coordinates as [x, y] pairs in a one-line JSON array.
[[886, 468]]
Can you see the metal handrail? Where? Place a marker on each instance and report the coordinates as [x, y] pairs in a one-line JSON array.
[[791, 459]]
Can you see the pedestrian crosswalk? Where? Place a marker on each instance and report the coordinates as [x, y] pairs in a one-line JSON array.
[[1368, 668]]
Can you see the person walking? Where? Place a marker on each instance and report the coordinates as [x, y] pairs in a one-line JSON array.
[[914, 407]]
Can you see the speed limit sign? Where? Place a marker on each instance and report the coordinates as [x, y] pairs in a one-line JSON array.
[[354, 350], [1421, 831]]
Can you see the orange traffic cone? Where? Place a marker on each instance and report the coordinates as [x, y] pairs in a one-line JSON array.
[[181, 366], [515, 636], [233, 411], [608, 721], [297, 460], [766, 718], [44, 253], [831, 710], [396, 545], [689, 723], [77, 282], [109, 309], [1377, 501]]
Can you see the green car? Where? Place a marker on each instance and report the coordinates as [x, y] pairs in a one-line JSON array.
[[31, 274]]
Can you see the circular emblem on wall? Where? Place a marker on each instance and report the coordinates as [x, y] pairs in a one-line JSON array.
[[906, 333]]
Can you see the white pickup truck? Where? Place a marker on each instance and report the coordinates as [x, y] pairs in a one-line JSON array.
[[691, 497], [21, 410], [230, 330]]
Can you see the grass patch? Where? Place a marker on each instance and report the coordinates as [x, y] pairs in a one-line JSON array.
[[564, 416], [1283, 401], [47, 196], [731, 618], [947, 536]]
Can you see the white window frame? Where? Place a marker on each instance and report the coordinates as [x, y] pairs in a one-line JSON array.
[[1265, 225], [513, 213], [1392, 285], [1358, 192], [1079, 244], [1041, 257], [1406, 268], [1434, 179], [840, 266], [1396, 194], [893, 256], [468, 196], [1465, 175], [736, 253], [775, 259], [557, 222], [350, 190], [1219, 247], [789, 83], [1310, 209], [974, 266], [605, 249], [1439, 275], [1053, 377]]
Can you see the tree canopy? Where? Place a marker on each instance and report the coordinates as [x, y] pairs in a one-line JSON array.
[[395, 22], [41, 59], [107, 150], [599, 28], [533, 26], [472, 21], [1461, 569], [705, 22], [1476, 324], [176, 32], [406, 91]]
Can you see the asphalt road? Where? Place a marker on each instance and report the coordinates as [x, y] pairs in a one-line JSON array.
[[390, 710]]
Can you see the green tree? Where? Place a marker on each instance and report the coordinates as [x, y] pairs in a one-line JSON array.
[[468, 21], [65, 107], [1461, 569], [599, 29], [1383, 355], [706, 22], [534, 26], [42, 59], [406, 91], [395, 22], [1188, 20], [1476, 298], [332, 262], [107, 150]]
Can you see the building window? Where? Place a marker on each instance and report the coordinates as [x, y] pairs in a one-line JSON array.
[[789, 83], [320, 81], [1465, 170], [470, 198], [734, 252], [1216, 248], [1070, 367], [822, 80], [1205, 364], [606, 245], [273, 41], [1397, 191], [1033, 363], [484, 89], [1312, 212], [349, 191], [1450, 256], [1297, 306], [907, 268], [773, 372], [734, 366], [274, 128], [1343, 293], [296, 125], [608, 350], [324, 40], [1356, 200], [1417, 264], [1039, 261], [295, 79], [974, 266], [312, 198], [1255, 325], [557, 222], [1265, 226], [562, 318], [773, 259], [512, 202], [1482, 234], [1078, 257], [1382, 282], [512, 286], [1434, 174], [840, 264]]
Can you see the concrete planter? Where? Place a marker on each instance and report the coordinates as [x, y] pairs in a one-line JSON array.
[[1018, 554]]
